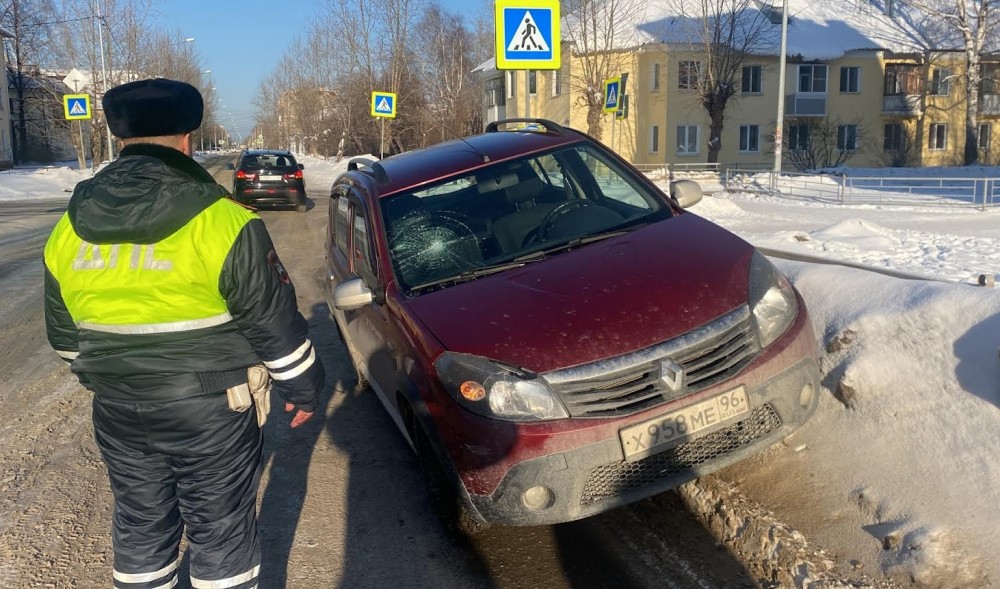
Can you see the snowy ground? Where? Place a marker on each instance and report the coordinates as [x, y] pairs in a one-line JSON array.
[[901, 455]]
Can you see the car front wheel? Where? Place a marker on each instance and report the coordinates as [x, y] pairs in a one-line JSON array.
[[445, 502]]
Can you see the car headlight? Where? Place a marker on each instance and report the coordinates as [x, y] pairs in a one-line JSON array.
[[772, 299], [493, 390]]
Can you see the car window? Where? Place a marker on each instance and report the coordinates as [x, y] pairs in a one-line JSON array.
[[272, 161], [511, 209], [341, 224], [363, 264], [250, 162]]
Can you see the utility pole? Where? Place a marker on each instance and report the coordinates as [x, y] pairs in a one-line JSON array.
[[780, 124], [104, 75]]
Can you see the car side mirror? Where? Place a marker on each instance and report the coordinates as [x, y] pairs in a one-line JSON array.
[[351, 295], [687, 193], [302, 166], [230, 166]]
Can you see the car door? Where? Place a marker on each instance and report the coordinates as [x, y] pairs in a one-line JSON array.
[[371, 336]]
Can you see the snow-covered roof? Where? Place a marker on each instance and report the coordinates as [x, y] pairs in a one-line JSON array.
[[490, 65], [817, 29]]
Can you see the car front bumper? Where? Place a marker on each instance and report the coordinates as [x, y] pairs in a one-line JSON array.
[[596, 477]]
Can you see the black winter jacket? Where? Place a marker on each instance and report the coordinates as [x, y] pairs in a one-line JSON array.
[[146, 195]]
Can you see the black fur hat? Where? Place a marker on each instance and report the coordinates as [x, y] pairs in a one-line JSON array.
[[153, 108]]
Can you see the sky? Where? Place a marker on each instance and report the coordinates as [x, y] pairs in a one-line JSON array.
[[242, 41], [902, 450]]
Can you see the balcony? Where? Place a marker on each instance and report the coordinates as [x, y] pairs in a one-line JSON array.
[[805, 105], [907, 105], [989, 104]]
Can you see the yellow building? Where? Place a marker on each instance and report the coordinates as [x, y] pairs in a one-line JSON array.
[[851, 98]]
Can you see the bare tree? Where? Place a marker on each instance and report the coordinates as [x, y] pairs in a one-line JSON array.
[[900, 148], [972, 22], [116, 41], [723, 34], [29, 21], [815, 143], [446, 68], [599, 32]]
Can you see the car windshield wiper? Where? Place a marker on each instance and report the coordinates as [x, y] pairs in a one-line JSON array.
[[480, 272], [526, 258], [585, 239]]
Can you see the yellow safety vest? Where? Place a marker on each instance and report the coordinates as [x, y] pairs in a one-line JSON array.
[[164, 287]]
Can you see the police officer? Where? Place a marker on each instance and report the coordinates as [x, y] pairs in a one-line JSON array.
[[161, 292]]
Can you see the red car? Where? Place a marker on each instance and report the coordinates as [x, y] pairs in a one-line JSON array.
[[553, 334]]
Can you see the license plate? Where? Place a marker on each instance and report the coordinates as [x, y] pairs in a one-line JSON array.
[[651, 436], [269, 178]]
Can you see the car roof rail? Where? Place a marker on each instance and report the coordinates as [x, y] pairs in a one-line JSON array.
[[526, 125], [376, 168]]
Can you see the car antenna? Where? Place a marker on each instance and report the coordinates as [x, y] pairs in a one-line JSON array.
[[486, 158]]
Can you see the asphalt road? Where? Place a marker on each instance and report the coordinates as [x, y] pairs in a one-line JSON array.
[[341, 501]]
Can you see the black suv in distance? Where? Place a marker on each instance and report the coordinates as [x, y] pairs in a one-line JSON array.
[[268, 177]]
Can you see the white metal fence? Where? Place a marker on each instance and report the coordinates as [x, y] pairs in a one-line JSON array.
[[982, 192]]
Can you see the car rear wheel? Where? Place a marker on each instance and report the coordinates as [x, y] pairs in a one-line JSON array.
[[445, 502]]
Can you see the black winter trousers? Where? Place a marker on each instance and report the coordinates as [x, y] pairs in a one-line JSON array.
[[190, 463]]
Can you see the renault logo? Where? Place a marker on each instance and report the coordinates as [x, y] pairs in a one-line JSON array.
[[672, 375]]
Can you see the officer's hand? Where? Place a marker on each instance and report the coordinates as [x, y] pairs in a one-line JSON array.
[[300, 416]]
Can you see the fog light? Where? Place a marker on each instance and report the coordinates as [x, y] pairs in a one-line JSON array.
[[538, 498], [806, 396]]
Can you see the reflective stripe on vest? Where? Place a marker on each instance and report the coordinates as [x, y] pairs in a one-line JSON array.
[[168, 286]]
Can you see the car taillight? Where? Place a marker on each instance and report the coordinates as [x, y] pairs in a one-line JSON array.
[[296, 176], [241, 175]]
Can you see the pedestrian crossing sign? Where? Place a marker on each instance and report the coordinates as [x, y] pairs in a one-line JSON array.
[[76, 106], [384, 104], [612, 92], [527, 34]]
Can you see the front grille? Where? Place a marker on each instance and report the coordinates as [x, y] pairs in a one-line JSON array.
[[612, 480], [632, 382]]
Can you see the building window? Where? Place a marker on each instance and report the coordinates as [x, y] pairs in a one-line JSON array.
[[687, 75], [901, 79], [812, 79], [752, 78], [494, 92], [938, 136], [941, 82], [654, 78], [687, 139], [991, 78], [556, 83], [750, 138], [532, 82], [511, 83], [798, 137], [654, 139], [847, 137], [850, 80], [984, 136], [895, 137]]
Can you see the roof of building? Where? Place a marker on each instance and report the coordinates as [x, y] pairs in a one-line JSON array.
[[817, 30]]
